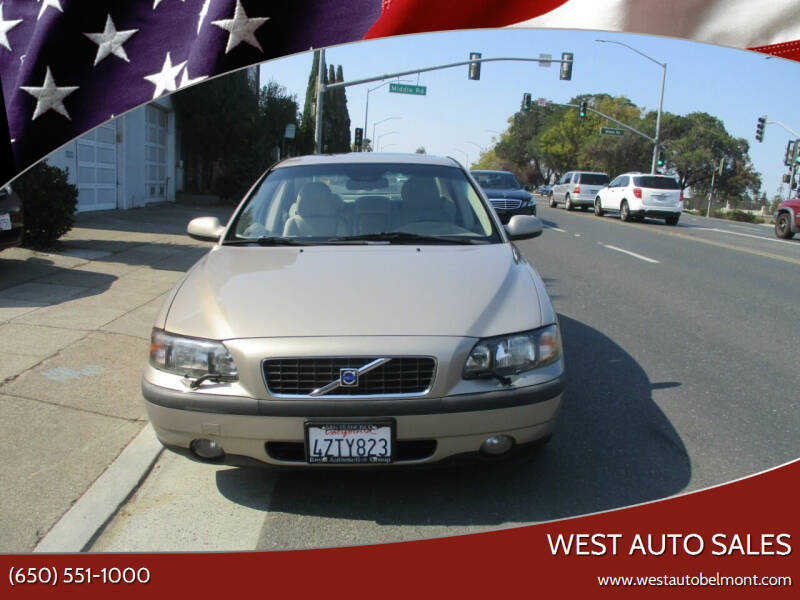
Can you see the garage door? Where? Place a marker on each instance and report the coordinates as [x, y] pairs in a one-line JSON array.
[[97, 169], [156, 155]]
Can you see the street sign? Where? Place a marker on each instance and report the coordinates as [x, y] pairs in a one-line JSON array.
[[402, 88], [545, 60], [611, 131], [541, 102], [290, 131]]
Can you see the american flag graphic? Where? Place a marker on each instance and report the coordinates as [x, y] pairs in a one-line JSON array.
[[67, 65]]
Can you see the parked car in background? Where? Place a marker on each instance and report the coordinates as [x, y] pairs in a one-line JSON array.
[[506, 194], [577, 189], [11, 218], [545, 190], [636, 196], [787, 218], [341, 320]]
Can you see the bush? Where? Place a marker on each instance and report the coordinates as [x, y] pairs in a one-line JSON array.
[[48, 201], [744, 217]]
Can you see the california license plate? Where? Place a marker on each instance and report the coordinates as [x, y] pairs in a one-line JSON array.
[[5, 222], [349, 442]]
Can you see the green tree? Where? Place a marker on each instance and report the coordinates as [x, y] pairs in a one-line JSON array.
[[421, 150]]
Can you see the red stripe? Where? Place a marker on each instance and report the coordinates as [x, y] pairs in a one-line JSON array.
[[414, 16], [790, 50]]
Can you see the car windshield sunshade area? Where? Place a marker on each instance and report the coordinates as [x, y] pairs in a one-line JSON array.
[[391, 203], [659, 183], [497, 181], [594, 179]]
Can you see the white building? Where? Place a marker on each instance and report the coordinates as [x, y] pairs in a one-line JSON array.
[[128, 162]]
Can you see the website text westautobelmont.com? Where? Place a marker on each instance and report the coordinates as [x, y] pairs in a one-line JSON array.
[[699, 580]]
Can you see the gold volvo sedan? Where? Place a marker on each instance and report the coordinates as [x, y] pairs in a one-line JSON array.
[[357, 310]]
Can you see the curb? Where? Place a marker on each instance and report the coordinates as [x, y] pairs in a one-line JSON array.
[[81, 523]]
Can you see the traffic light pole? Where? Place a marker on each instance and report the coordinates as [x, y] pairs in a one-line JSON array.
[[794, 162], [620, 123], [322, 88]]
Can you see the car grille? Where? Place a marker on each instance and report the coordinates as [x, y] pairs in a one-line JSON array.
[[505, 204], [404, 376]]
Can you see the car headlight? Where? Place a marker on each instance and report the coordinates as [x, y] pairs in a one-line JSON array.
[[192, 357], [514, 353]]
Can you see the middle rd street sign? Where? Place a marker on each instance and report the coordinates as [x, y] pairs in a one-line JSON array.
[[611, 131], [403, 88], [541, 102]]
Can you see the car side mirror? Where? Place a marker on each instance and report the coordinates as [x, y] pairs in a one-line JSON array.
[[524, 227], [205, 229]]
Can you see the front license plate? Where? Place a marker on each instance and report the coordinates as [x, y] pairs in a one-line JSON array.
[[5, 222], [352, 442]]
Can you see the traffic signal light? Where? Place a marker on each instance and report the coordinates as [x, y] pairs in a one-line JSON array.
[[788, 158], [660, 159], [760, 124], [359, 139], [474, 68], [796, 153], [566, 66], [527, 99], [582, 109]]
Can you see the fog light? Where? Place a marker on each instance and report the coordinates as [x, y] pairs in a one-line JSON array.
[[497, 445], [208, 449]]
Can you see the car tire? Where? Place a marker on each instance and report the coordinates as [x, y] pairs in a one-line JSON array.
[[568, 203], [552, 201], [584, 208], [598, 208], [783, 226], [624, 212], [672, 220]]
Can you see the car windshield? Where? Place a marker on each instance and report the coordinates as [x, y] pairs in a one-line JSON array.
[[594, 179], [366, 203], [659, 183], [497, 181]]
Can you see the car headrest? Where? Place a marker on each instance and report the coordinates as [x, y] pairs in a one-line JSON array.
[[420, 192], [315, 200]]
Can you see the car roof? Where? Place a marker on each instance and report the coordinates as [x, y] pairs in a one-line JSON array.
[[487, 171], [367, 158], [589, 172]]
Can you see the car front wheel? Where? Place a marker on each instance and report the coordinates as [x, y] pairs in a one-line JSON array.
[[598, 208], [783, 226], [568, 203], [552, 201], [624, 212]]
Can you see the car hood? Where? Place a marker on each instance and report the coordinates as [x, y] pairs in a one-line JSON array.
[[446, 290], [514, 194]]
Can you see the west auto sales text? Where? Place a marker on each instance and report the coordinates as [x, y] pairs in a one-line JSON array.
[[670, 544]]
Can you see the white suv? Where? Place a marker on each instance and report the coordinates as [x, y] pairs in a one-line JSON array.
[[638, 195]]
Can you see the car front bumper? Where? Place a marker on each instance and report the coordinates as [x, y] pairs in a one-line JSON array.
[[505, 215], [428, 430]]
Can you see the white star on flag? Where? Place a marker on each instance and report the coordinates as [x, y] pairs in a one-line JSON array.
[[203, 13], [157, 2], [110, 41], [240, 28], [49, 96], [5, 27], [53, 3], [185, 80], [165, 79]]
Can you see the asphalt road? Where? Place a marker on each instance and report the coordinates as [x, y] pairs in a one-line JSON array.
[[681, 347]]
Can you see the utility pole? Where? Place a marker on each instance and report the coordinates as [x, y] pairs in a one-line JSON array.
[[320, 94]]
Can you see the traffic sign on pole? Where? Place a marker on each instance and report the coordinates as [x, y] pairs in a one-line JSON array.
[[402, 88], [611, 131]]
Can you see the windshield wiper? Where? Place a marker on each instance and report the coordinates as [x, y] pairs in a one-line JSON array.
[[403, 236], [270, 241]]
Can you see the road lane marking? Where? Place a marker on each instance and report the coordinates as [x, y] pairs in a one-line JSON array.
[[556, 229], [750, 235], [639, 256]]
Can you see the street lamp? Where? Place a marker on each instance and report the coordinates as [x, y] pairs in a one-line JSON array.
[[478, 146], [660, 99], [366, 104], [465, 155], [383, 135], [374, 125]]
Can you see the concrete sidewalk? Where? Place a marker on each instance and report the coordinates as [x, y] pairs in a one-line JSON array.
[[74, 332]]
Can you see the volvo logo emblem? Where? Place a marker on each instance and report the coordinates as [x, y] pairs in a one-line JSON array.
[[348, 377]]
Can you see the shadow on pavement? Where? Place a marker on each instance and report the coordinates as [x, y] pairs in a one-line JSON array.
[[612, 447]]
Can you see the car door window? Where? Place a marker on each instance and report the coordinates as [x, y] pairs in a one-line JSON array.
[[623, 181]]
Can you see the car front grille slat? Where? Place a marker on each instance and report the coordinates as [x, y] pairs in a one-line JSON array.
[[505, 204], [299, 377]]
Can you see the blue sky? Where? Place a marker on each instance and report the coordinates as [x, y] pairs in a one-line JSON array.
[[458, 116]]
